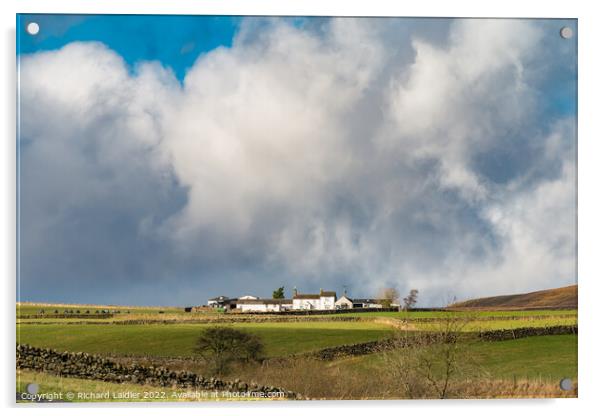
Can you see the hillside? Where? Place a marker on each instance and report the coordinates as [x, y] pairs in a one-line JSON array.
[[564, 297]]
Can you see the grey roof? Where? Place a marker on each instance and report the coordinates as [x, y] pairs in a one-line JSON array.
[[220, 298], [306, 296], [366, 300], [323, 293]]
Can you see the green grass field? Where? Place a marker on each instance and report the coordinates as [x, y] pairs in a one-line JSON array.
[[477, 326], [535, 364], [475, 314], [549, 358], [540, 362], [35, 308], [178, 339]]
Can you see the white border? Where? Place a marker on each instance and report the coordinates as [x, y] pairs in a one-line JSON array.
[[590, 207]]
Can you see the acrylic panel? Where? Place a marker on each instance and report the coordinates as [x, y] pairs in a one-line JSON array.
[[295, 208]]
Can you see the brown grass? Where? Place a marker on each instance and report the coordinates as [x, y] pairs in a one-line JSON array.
[[319, 380], [343, 379], [564, 297], [514, 389]]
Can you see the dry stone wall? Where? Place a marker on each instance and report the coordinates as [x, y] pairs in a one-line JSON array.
[[94, 367], [370, 347], [215, 321], [507, 334], [67, 315]]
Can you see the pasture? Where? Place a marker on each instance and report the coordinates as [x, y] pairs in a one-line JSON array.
[[467, 314], [526, 367], [280, 339], [547, 358], [489, 325], [529, 367]]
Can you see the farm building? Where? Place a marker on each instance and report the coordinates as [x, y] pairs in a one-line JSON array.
[[367, 303], [248, 297], [222, 302], [343, 303], [347, 303], [264, 305], [323, 301]]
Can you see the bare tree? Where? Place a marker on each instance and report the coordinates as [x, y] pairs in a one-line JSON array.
[[431, 362], [410, 300], [388, 295]]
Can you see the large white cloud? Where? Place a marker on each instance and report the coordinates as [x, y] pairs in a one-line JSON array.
[[263, 125], [455, 98], [318, 154]]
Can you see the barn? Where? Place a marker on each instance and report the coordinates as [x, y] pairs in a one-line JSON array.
[[264, 305], [347, 303], [219, 301]]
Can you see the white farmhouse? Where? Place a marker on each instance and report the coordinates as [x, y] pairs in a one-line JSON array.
[[323, 301]]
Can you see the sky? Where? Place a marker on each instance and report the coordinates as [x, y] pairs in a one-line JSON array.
[[164, 160]]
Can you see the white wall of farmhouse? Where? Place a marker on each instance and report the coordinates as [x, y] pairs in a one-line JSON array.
[[304, 304], [320, 303], [327, 302]]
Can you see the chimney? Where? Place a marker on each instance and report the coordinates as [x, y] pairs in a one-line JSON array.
[[295, 291]]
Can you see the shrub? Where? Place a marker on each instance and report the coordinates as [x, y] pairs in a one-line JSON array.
[[220, 346]]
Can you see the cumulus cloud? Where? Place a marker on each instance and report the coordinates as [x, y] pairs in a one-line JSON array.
[[455, 98], [276, 135], [312, 156]]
